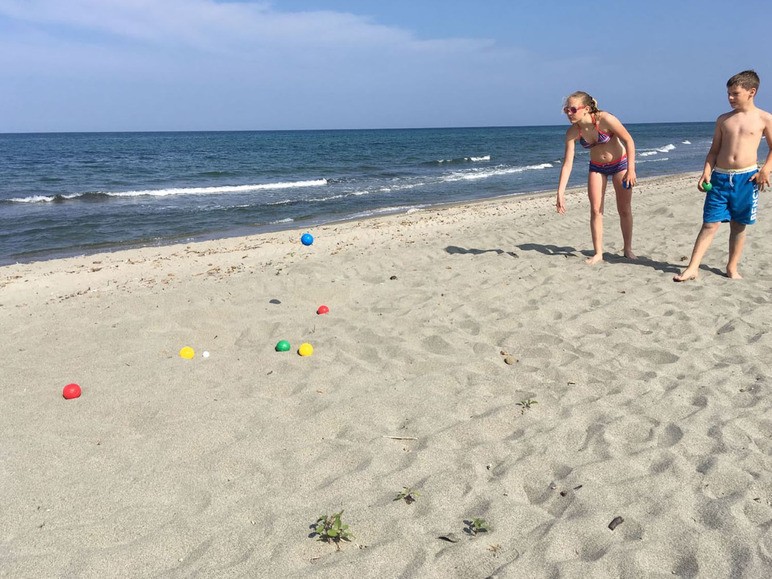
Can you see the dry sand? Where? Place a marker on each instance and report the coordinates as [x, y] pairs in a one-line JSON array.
[[652, 401]]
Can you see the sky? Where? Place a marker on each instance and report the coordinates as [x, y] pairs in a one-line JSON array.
[[181, 65]]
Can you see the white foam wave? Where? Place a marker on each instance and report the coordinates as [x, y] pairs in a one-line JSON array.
[[387, 210], [650, 152], [471, 174], [220, 189], [403, 187], [687, 142], [467, 159], [175, 191], [33, 199], [495, 172], [330, 198]]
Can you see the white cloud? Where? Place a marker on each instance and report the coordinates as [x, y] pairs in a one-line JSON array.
[[108, 37], [164, 59], [208, 25]]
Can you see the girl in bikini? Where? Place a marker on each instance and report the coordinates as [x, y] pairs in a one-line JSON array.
[[612, 153]]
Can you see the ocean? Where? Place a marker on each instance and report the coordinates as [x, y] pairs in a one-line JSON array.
[[67, 194]]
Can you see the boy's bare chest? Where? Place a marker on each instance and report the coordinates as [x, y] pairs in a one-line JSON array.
[[743, 127]]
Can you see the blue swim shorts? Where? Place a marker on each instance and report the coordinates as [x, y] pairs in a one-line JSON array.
[[609, 168], [733, 196]]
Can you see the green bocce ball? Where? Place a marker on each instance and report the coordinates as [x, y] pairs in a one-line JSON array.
[[283, 346]]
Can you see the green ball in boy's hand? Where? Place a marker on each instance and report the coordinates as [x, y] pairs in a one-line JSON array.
[[707, 187]]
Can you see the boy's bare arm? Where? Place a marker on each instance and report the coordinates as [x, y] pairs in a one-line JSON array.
[[762, 177], [715, 147]]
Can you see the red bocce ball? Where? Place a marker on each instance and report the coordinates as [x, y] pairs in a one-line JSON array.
[[71, 391], [323, 310]]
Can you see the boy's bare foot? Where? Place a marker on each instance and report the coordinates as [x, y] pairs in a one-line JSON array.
[[597, 258], [630, 255], [685, 275], [733, 274]]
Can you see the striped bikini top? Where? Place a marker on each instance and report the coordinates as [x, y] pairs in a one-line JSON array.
[[603, 138]]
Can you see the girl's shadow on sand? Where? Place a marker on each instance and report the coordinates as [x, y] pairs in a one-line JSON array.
[[642, 260], [454, 249], [568, 251]]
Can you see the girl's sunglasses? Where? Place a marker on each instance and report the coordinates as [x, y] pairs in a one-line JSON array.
[[573, 110]]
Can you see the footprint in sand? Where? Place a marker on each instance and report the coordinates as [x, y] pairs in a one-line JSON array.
[[670, 436]]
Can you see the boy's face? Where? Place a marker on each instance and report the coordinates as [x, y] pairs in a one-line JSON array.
[[739, 96]]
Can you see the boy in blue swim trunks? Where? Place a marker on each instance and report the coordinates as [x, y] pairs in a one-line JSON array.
[[732, 171]]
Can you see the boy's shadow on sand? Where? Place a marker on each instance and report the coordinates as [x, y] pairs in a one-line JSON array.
[[642, 260], [567, 251], [657, 265]]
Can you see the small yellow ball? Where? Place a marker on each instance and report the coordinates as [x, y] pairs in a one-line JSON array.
[[187, 353], [305, 350]]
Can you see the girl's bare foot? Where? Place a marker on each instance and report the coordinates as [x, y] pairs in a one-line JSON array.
[[597, 258], [686, 275], [732, 274], [630, 255]]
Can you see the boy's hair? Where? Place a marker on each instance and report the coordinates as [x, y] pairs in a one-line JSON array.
[[747, 79], [585, 99]]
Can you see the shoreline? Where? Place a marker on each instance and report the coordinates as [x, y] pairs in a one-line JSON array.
[[242, 232], [468, 354], [78, 209], [277, 228]]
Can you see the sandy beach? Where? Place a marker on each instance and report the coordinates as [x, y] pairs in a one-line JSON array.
[[626, 395]]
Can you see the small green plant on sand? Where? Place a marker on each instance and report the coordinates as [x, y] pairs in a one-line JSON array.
[[476, 526], [331, 529], [525, 404], [408, 495]]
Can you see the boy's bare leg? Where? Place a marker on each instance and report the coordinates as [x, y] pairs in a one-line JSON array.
[[736, 243], [625, 210], [704, 239], [596, 190]]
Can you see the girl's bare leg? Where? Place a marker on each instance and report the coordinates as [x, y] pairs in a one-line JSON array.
[[596, 190], [625, 210]]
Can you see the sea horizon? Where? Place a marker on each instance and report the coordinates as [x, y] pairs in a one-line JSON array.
[[459, 127]]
